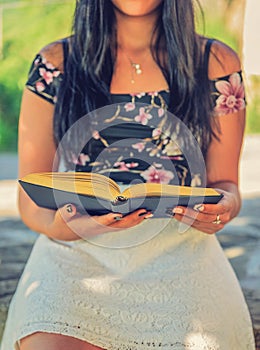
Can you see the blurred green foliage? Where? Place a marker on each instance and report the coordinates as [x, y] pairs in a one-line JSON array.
[[27, 29], [253, 104], [211, 23]]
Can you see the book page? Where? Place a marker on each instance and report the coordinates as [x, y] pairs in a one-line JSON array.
[[155, 189], [89, 184]]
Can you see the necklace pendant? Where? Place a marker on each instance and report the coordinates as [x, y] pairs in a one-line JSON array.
[[137, 68]]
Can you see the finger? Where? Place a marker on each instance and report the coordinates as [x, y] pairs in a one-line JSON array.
[[67, 212], [132, 219], [107, 219], [139, 215], [87, 226], [214, 209], [207, 227], [204, 216], [143, 213], [195, 215], [118, 221]]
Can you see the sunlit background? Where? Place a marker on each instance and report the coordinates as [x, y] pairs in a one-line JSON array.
[[26, 27]]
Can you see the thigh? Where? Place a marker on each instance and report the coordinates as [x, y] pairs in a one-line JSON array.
[[51, 341]]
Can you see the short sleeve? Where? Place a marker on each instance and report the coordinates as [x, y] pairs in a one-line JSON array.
[[44, 79], [228, 94]]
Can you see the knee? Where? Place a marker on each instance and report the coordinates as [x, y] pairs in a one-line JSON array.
[[51, 341]]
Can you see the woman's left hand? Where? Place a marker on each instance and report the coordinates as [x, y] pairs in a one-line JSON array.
[[208, 218]]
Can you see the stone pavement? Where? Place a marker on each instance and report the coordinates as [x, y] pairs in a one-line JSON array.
[[240, 239]]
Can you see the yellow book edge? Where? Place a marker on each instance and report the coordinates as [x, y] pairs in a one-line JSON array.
[[100, 186]]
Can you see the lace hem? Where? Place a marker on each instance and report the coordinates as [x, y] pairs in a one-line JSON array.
[[85, 335]]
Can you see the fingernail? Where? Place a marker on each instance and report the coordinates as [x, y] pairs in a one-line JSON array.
[[69, 208], [148, 216], [177, 210], [143, 213], [198, 207]]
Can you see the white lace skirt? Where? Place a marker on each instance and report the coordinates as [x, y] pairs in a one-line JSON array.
[[148, 287]]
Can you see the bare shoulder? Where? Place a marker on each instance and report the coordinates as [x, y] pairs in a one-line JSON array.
[[53, 53], [223, 60]]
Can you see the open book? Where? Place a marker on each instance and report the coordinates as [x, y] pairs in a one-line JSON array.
[[98, 194]]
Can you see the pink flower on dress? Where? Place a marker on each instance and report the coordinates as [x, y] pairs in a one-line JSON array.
[[37, 61], [82, 159], [153, 93], [156, 132], [121, 166], [49, 65], [95, 135], [232, 95], [39, 86], [160, 112], [56, 73], [47, 76], [140, 94], [157, 175], [132, 165], [139, 146], [143, 117], [172, 157], [137, 94], [130, 106]]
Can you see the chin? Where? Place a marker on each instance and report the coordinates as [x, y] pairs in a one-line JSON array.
[[136, 8]]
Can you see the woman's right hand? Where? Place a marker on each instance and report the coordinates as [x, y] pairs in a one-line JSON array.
[[68, 224]]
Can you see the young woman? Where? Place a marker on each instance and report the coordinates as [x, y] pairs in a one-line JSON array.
[[173, 291]]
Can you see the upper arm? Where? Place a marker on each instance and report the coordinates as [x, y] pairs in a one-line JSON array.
[[222, 161], [36, 143]]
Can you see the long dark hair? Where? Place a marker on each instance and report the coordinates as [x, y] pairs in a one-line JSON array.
[[89, 66]]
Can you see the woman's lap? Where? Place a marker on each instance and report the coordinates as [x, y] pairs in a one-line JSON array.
[[180, 285]]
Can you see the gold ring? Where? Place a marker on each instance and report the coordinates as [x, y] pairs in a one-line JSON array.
[[217, 221]]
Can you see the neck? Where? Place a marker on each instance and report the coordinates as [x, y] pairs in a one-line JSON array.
[[134, 34]]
